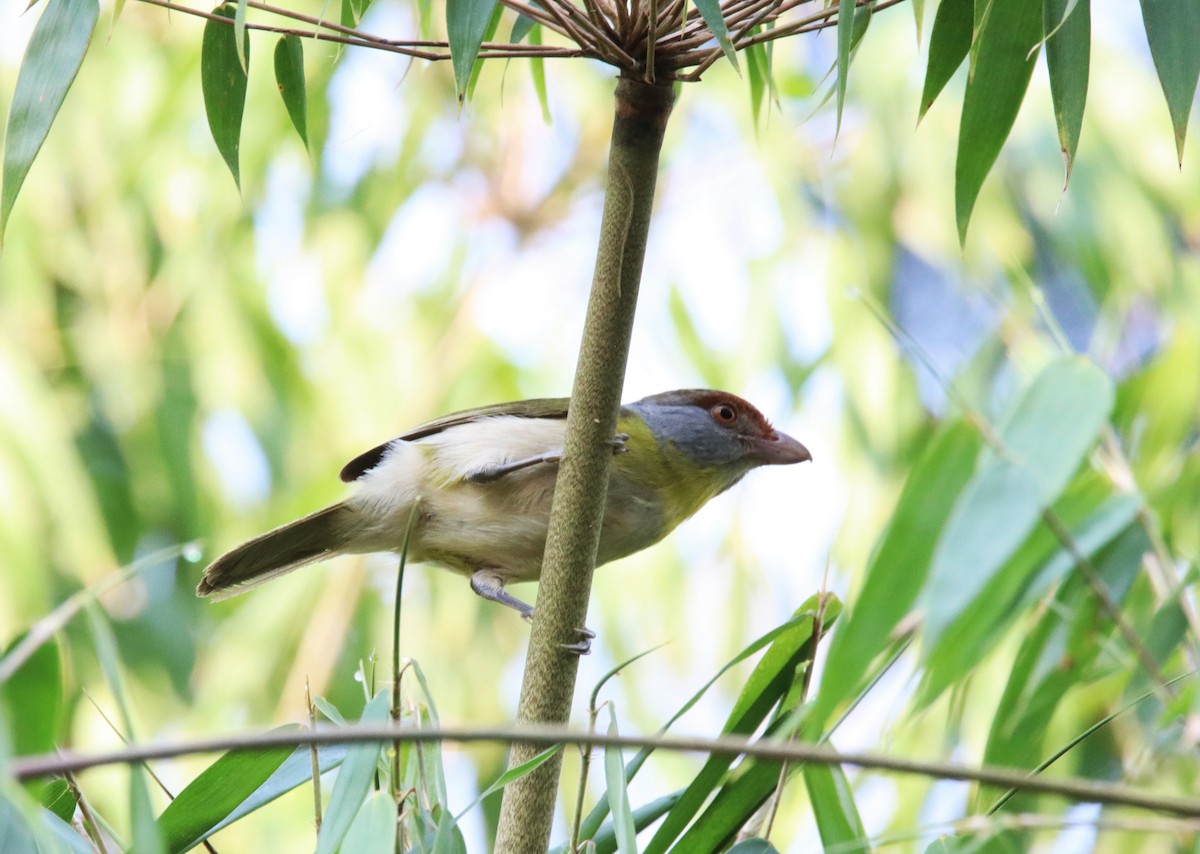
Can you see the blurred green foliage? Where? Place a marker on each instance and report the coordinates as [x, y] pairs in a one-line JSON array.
[[182, 364]]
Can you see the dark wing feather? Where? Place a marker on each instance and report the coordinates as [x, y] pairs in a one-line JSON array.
[[549, 407]]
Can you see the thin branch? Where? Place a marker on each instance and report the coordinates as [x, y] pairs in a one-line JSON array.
[[416, 48], [538, 14], [812, 23], [1092, 577], [1073, 788]]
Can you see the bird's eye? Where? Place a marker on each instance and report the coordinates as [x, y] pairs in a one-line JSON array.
[[724, 413]]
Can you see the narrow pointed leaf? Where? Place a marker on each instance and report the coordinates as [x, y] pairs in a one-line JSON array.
[[374, 828], [1054, 424], [537, 70], [32, 702], [224, 83], [591, 823], [845, 35], [489, 34], [1000, 70], [52, 59], [1173, 31], [897, 572], [214, 795], [185, 827], [948, 47], [605, 838], [833, 807], [354, 781], [289, 74], [239, 32], [710, 11], [754, 846], [770, 681], [522, 26], [466, 23], [756, 75], [1068, 52], [618, 795]]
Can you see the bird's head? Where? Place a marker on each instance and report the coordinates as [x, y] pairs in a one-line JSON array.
[[707, 440]]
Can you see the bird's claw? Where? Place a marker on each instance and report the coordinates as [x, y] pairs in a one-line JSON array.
[[619, 443], [583, 646]]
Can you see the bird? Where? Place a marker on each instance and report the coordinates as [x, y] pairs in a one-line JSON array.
[[482, 482]]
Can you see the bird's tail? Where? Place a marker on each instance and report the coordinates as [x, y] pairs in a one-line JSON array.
[[319, 535]]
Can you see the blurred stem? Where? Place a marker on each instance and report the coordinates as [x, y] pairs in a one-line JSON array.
[[639, 123], [314, 759]]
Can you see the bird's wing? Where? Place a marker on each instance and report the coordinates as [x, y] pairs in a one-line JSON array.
[[552, 407]]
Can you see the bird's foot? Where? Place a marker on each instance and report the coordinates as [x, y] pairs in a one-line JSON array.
[[583, 646], [619, 443]]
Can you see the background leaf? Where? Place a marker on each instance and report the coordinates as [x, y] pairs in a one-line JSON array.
[[466, 23], [1173, 31], [949, 43], [56, 49], [1053, 425], [354, 781], [289, 74], [216, 793], [1068, 58], [1001, 64], [223, 80]]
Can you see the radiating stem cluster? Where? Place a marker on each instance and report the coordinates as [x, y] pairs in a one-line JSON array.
[[656, 40]]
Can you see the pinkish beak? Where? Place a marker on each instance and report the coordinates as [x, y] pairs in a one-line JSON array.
[[777, 449]]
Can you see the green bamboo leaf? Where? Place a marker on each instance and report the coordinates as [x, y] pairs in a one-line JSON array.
[[1053, 425], [756, 78], [537, 70], [753, 846], [199, 817], [769, 682], [897, 572], [489, 34], [1037, 566], [591, 824], [1001, 65], [1051, 663], [948, 46], [374, 828], [223, 80], [833, 807], [466, 23], [214, 795], [354, 781], [32, 701], [146, 837], [1068, 53], [509, 776], [1173, 31], [239, 35], [522, 27], [736, 802], [57, 798], [56, 50], [710, 11], [289, 74], [845, 35], [605, 838], [918, 7], [618, 794]]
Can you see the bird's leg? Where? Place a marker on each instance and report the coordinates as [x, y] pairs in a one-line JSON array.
[[490, 473], [488, 585], [495, 472]]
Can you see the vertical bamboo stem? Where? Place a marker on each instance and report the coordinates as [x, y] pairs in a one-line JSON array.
[[639, 124]]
